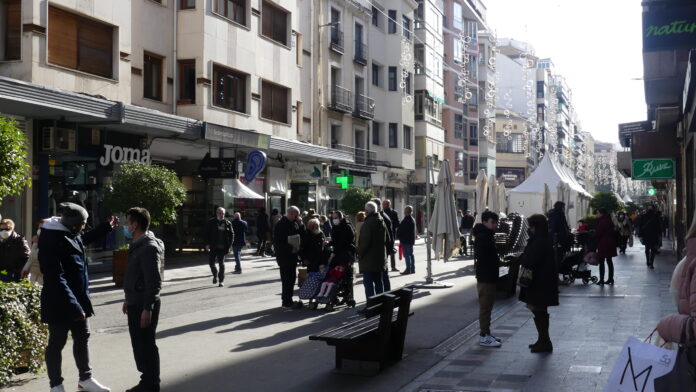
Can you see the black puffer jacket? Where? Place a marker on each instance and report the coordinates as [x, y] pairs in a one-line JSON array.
[[343, 240], [538, 256], [485, 255], [312, 250]]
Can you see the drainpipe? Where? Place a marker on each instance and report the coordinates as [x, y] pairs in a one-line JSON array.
[[316, 76], [174, 57]]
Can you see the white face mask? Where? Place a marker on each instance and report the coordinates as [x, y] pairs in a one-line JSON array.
[[38, 232], [316, 231], [336, 222], [4, 234]]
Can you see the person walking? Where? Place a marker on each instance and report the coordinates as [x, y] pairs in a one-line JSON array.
[[287, 242], [342, 237], [487, 264], [240, 228], [218, 237], [650, 234], [541, 291], [141, 285], [65, 302], [560, 230], [262, 231], [372, 254], [389, 243], [406, 233], [605, 237], [394, 221], [312, 248], [625, 228], [466, 227], [32, 269], [14, 252]]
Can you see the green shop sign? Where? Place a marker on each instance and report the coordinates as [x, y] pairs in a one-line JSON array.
[[653, 169], [669, 29]]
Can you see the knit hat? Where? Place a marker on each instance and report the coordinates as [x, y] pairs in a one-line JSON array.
[[72, 214]]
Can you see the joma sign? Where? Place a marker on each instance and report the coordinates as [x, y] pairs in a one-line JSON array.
[[118, 154], [653, 169]]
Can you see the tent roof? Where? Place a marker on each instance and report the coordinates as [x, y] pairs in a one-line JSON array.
[[551, 173]]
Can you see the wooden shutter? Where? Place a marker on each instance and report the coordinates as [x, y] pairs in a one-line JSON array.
[[95, 48], [267, 100], [13, 30], [280, 104], [267, 20], [62, 38]]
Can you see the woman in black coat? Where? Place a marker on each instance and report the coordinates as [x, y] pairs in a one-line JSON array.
[[342, 238], [542, 291], [312, 247]]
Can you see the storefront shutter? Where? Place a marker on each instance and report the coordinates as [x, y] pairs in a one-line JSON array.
[[62, 38], [95, 48]]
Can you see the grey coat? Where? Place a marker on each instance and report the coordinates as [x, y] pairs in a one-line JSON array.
[[143, 282]]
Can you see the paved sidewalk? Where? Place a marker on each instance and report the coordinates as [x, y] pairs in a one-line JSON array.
[[588, 330]]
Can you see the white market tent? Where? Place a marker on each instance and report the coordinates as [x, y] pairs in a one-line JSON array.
[[528, 197]]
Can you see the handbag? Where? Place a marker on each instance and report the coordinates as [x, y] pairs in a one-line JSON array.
[[526, 276], [591, 258], [683, 375]]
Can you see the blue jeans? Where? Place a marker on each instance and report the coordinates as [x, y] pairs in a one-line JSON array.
[[408, 258], [237, 251], [372, 280]]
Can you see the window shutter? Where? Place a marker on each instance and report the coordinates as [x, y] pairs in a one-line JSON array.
[[266, 100], [62, 38], [13, 26], [95, 48], [280, 104]]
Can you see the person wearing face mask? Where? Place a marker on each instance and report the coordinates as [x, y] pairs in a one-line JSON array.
[[14, 252], [342, 237], [312, 246], [625, 228], [218, 238], [65, 302], [32, 269]]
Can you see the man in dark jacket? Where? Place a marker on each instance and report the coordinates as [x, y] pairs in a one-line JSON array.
[[407, 238], [286, 240], [389, 244], [142, 285], [466, 226], [487, 264], [65, 302], [394, 220], [240, 228], [559, 229], [650, 234], [218, 238], [14, 252], [372, 253]]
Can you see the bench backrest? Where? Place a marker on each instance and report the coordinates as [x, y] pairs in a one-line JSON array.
[[395, 299]]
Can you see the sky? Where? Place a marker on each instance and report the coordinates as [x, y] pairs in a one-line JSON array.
[[595, 44]]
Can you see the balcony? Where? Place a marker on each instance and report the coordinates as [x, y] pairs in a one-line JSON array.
[[341, 99], [362, 157], [364, 107], [419, 68], [360, 53], [336, 43]]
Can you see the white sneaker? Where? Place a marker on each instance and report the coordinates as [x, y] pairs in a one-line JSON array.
[[497, 339], [58, 388], [91, 385], [488, 341]]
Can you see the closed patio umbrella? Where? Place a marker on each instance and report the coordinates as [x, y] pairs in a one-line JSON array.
[[493, 194], [443, 223], [502, 200], [481, 194], [546, 204]]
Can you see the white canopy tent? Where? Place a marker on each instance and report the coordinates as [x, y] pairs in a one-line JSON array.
[[528, 197]]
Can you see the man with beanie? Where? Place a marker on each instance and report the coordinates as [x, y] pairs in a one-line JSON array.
[[65, 302], [142, 285]]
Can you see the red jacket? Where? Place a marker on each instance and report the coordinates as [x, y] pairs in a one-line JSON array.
[[606, 238]]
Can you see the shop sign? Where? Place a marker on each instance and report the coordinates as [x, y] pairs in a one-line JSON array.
[[217, 167], [306, 173], [234, 136], [627, 130], [118, 154], [653, 169], [669, 29], [256, 162]]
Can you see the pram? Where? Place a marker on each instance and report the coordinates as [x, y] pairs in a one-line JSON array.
[[340, 294], [574, 265]]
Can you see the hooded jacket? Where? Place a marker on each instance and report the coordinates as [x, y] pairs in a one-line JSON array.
[[143, 281], [485, 255], [65, 293]]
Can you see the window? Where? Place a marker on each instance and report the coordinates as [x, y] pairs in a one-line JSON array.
[[335, 132], [392, 22], [472, 28], [376, 16], [457, 21], [457, 51], [274, 23], [229, 89], [514, 144], [540, 112], [419, 59], [474, 97], [473, 67], [392, 79], [458, 126], [274, 102], [80, 43], [459, 164], [540, 89], [473, 134], [406, 26], [473, 168], [376, 70], [376, 133], [407, 81], [187, 82], [187, 4], [10, 30], [152, 76], [407, 137], [393, 136], [234, 10], [427, 108]]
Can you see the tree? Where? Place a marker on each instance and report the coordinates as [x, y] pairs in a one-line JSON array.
[[14, 169], [355, 198], [152, 187], [605, 200]]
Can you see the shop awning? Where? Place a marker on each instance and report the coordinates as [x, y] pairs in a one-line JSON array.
[[276, 181], [237, 189], [294, 148]]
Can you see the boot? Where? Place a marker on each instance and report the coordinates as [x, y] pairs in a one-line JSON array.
[[544, 345], [537, 325]]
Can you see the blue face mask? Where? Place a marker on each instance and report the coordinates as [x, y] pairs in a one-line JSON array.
[[127, 233]]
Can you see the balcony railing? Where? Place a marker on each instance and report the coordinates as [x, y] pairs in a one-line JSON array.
[[361, 156], [336, 43], [419, 67], [341, 99], [360, 53], [364, 107]]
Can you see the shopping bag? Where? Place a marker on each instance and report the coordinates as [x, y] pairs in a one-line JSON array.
[[526, 276], [683, 375], [638, 365], [591, 258]]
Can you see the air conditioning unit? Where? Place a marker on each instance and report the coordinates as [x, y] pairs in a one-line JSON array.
[[58, 139]]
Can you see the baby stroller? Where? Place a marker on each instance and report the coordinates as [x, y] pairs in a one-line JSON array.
[[342, 292], [574, 264]]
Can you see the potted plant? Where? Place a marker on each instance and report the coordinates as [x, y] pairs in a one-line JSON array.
[[152, 187]]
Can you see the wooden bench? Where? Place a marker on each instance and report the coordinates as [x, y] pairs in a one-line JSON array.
[[373, 343]]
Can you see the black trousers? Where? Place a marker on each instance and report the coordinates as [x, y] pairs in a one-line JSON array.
[[57, 337], [650, 251], [145, 349], [218, 256], [288, 275], [610, 263], [623, 243]]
